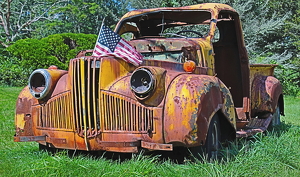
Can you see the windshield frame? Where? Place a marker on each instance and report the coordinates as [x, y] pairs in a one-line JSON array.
[[168, 19]]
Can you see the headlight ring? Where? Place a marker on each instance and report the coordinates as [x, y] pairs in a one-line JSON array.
[[40, 83], [142, 82]]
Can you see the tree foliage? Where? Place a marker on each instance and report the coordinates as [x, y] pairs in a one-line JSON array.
[[27, 55], [79, 16], [21, 19], [55, 49], [17, 18]]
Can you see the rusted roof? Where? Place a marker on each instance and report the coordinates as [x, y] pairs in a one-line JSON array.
[[213, 7]]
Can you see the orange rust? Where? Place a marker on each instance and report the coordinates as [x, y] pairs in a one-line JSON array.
[[92, 106]]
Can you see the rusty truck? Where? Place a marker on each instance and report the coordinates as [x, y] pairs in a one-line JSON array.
[[195, 88]]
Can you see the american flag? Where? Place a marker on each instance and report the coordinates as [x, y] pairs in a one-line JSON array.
[[111, 44]]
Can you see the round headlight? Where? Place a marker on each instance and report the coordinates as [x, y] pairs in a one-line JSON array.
[[142, 82], [39, 83]]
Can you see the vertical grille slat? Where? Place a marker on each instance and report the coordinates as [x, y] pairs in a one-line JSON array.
[[94, 100], [89, 81]]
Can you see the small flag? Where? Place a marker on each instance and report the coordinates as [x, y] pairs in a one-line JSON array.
[[110, 43]]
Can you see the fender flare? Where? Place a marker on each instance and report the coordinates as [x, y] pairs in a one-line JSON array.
[[266, 95], [191, 102]]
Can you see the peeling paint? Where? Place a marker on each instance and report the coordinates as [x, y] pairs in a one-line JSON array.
[[94, 106], [20, 122]]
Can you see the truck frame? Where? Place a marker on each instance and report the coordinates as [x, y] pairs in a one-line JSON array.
[[194, 89]]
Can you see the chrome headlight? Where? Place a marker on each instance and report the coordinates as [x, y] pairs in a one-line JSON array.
[[142, 82], [40, 83]]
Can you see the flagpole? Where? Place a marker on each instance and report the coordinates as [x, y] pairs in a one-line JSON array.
[[99, 33]]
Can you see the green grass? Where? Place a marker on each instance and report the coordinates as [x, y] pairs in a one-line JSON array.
[[273, 154]]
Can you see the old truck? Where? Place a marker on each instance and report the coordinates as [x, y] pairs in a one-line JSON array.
[[195, 88]]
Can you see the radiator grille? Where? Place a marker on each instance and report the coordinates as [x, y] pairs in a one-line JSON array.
[[121, 114], [86, 96], [57, 113], [98, 111]]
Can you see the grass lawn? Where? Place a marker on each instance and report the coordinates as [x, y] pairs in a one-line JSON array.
[[275, 153]]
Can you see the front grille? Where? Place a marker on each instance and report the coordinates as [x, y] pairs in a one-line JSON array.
[[97, 111], [85, 91], [122, 114], [57, 113]]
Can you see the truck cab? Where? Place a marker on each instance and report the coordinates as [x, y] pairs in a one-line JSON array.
[[195, 88]]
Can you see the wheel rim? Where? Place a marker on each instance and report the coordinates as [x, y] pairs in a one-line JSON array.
[[215, 141]]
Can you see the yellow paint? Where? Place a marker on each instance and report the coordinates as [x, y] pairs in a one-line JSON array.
[[170, 106], [25, 93], [171, 127], [208, 54], [82, 69], [261, 69], [112, 69], [185, 123], [20, 122]]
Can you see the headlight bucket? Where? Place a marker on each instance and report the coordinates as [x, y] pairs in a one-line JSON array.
[[142, 82], [42, 82]]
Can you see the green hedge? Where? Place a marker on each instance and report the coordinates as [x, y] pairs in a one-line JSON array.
[[26, 55]]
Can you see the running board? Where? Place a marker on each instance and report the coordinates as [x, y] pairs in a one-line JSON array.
[[254, 126]]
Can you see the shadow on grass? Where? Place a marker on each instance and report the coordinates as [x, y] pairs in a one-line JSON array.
[[279, 129], [232, 149], [179, 155]]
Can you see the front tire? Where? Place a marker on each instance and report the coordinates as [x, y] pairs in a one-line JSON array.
[[212, 144], [210, 150]]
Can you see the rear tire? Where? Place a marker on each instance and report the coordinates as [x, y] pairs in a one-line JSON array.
[[276, 117]]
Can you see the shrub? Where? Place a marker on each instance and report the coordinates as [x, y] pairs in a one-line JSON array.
[[65, 46], [11, 73], [27, 55]]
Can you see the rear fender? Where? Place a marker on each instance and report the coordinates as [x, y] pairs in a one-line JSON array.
[[266, 94], [191, 102]]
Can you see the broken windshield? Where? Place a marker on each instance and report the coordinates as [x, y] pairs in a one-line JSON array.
[[185, 23]]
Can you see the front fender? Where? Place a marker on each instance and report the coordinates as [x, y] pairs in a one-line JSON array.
[[266, 93], [191, 101], [23, 116]]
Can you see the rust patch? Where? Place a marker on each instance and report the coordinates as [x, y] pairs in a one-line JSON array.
[[23, 117], [265, 94]]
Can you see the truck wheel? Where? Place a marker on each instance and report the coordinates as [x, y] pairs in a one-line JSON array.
[[276, 117], [210, 150], [212, 144]]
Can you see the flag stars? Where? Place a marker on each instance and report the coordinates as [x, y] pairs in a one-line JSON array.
[[109, 38], [111, 44]]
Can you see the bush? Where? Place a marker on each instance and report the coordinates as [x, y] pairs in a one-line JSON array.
[[27, 55], [65, 46], [11, 73]]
